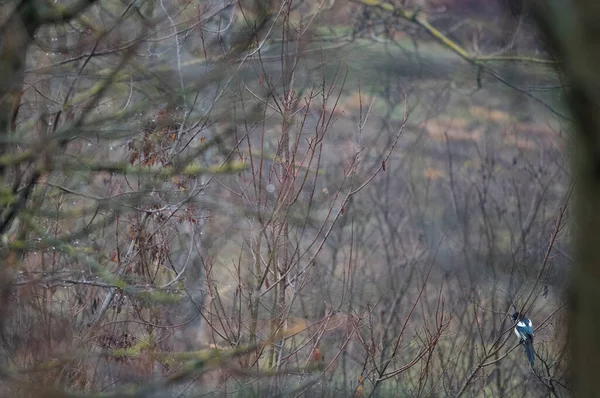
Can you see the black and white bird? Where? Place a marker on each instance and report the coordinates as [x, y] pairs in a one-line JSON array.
[[524, 331]]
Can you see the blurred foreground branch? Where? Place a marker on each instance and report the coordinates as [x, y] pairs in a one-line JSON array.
[[482, 63]]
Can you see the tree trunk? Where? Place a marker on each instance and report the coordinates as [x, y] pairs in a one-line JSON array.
[[571, 30]]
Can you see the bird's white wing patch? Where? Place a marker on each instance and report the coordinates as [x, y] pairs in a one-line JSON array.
[[529, 322], [518, 334], [522, 324]]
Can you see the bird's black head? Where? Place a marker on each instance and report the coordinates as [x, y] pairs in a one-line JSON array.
[[516, 315]]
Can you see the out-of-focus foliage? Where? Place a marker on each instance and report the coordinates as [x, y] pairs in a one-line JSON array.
[[279, 198]]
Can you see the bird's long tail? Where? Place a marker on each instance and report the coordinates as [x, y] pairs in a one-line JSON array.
[[528, 344]]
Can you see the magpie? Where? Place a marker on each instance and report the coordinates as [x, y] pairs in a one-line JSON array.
[[524, 331]]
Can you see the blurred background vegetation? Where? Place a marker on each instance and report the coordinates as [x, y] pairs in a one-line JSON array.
[[297, 198]]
